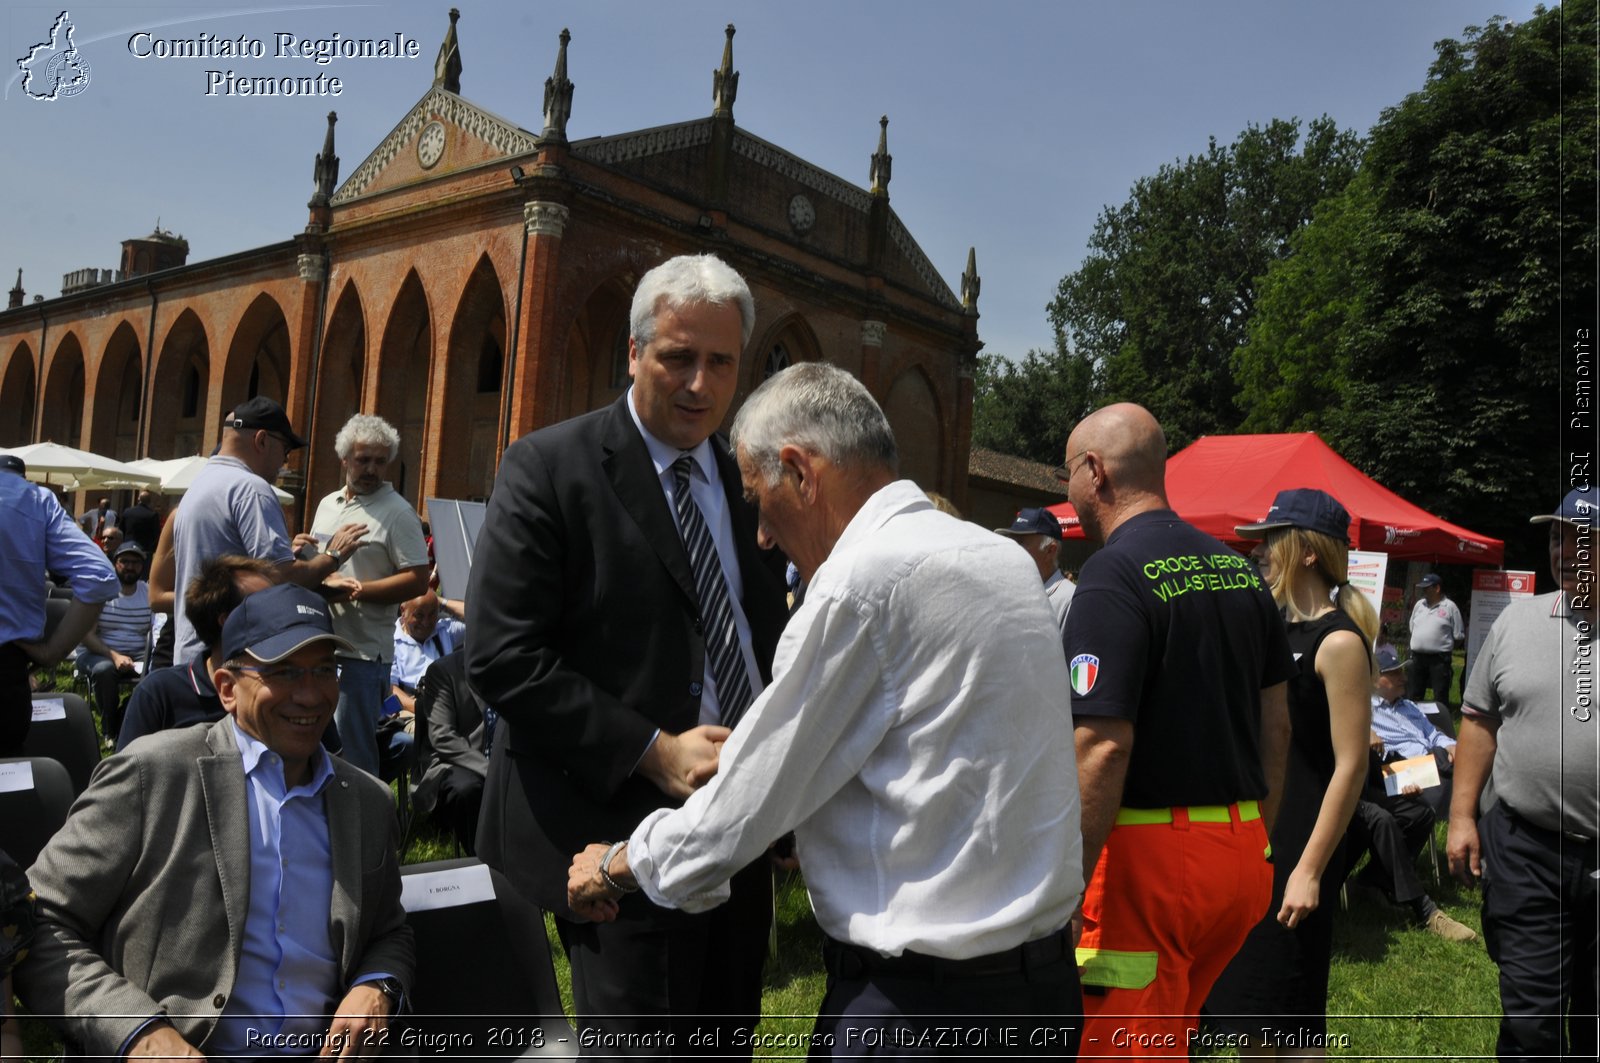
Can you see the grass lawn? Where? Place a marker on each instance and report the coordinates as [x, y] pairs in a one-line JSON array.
[[1394, 992]]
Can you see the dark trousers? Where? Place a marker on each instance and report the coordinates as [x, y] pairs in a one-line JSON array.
[[1539, 923], [456, 807], [1430, 669], [1395, 829], [1022, 1002], [664, 983], [106, 683], [16, 700]]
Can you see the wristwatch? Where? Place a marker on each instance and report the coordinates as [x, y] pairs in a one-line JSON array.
[[338, 558], [391, 988]]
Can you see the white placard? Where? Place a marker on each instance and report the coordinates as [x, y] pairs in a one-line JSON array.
[[1367, 571], [1492, 591], [450, 888], [49, 709], [16, 776]]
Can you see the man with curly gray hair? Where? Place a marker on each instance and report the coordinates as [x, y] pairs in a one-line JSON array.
[[389, 567]]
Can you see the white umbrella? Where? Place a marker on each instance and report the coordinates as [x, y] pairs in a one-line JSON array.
[[66, 467], [177, 475]]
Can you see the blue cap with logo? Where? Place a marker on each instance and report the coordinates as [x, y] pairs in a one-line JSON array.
[[1579, 508], [1034, 521], [1430, 580], [275, 623], [1302, 507], [1388, 660]]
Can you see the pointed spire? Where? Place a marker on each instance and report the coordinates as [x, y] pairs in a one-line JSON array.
[[558, 97], [881, 159], [725, 81], [447, 67], [16, 294], [326, 171], [971, 283]]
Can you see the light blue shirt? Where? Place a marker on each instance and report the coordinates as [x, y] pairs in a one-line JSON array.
[[411, 658], [1406, 729], [36, 536], [705, 487], [288, 980]]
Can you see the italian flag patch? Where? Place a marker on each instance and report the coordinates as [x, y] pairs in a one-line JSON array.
[[1085, 668]]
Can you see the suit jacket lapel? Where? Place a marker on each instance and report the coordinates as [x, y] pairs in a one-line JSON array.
[[223, 784], [633, 476], [344, 839]]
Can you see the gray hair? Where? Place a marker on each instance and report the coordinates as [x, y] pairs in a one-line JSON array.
[[685, 281], [366, 428], [820, 408]]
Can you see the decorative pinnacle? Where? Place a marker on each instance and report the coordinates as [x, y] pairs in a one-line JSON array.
[[447, 67], [971, 283], [725, 80], [326, 171], [881, 160], [558, 97]]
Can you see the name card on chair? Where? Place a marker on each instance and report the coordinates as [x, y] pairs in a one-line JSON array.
[[17, 776], [49, 709], [449, 888]]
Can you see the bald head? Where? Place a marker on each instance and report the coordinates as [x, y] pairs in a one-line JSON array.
[[1116, 467]]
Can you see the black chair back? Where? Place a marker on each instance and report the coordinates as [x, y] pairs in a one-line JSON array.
[[63, 729], [35, 795]]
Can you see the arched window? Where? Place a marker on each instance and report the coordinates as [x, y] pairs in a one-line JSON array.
[[619, 358], [777, 361]]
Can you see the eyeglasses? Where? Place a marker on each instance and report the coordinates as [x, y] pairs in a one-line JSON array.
[[1064, 473], [287, 675], [283, 441]]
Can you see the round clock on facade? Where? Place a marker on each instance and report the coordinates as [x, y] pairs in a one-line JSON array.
[[430, 145], [802, 215]]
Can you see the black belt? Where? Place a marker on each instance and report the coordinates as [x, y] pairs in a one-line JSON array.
[[847, 962], [1529, 824]]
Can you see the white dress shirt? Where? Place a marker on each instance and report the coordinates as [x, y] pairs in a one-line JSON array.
[[916, 738], [705, 487]]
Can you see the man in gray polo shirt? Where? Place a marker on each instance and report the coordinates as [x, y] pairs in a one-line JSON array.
[[231, 509], [1435, 630], [1530, 712]]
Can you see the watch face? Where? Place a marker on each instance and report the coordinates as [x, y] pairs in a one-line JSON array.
[[430, 145], [802, 215]]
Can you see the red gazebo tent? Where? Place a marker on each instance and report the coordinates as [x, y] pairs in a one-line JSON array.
[[1222, 481]]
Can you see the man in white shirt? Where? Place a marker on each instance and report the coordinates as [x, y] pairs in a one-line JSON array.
[[1436, 630], [119, 646], [1038, 531], [915, 738]]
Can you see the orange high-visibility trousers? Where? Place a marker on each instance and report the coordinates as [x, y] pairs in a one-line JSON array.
[[1168, 906]]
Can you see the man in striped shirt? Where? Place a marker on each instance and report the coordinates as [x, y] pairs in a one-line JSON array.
[[119, 645]]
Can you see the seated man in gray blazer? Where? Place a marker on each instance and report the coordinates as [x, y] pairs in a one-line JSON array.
[[229, 889]]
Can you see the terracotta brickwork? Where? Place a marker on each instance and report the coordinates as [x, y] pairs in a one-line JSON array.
[[479, 288]]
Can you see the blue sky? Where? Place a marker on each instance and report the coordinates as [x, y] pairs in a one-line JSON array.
[[1012, 124]]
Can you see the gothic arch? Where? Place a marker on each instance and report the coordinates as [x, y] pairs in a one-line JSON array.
[[61, 410], [403, 381], [597, 347], [16, 398], [341, 376], [914, 412], [180, 392], [785, 342], [118, 395], [468, 452], [258, 359]]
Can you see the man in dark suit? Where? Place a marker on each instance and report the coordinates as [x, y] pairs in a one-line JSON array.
[[613, 681], [453, 736]]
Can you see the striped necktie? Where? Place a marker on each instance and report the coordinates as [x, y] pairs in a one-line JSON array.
[[723, 651]]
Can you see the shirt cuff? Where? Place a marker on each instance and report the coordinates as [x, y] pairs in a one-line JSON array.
[[378, 976], [122, 1052]]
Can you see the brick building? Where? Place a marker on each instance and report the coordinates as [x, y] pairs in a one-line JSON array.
[[470, 281]]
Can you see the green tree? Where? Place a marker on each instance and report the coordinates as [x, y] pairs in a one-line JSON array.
[[1027, 408], [1164, 297], [1482, 253]]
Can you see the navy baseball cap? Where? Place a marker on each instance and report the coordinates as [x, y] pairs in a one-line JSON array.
[[1430, 580], [1577, 509], [1034, 521], [129, 548], [12, 463], [1388, 660], [1302, 507], [262, 412], [270, 625]]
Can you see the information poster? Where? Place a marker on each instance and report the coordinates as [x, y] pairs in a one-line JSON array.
[[1492, 591], [1368, 570]]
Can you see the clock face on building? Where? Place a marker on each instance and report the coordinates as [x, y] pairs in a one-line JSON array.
[[802, 215], [430, 145]]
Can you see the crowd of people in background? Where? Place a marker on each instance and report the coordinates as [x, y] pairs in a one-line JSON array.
[[1110, 813]]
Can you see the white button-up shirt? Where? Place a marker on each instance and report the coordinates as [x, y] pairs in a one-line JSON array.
[[916, 738]]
